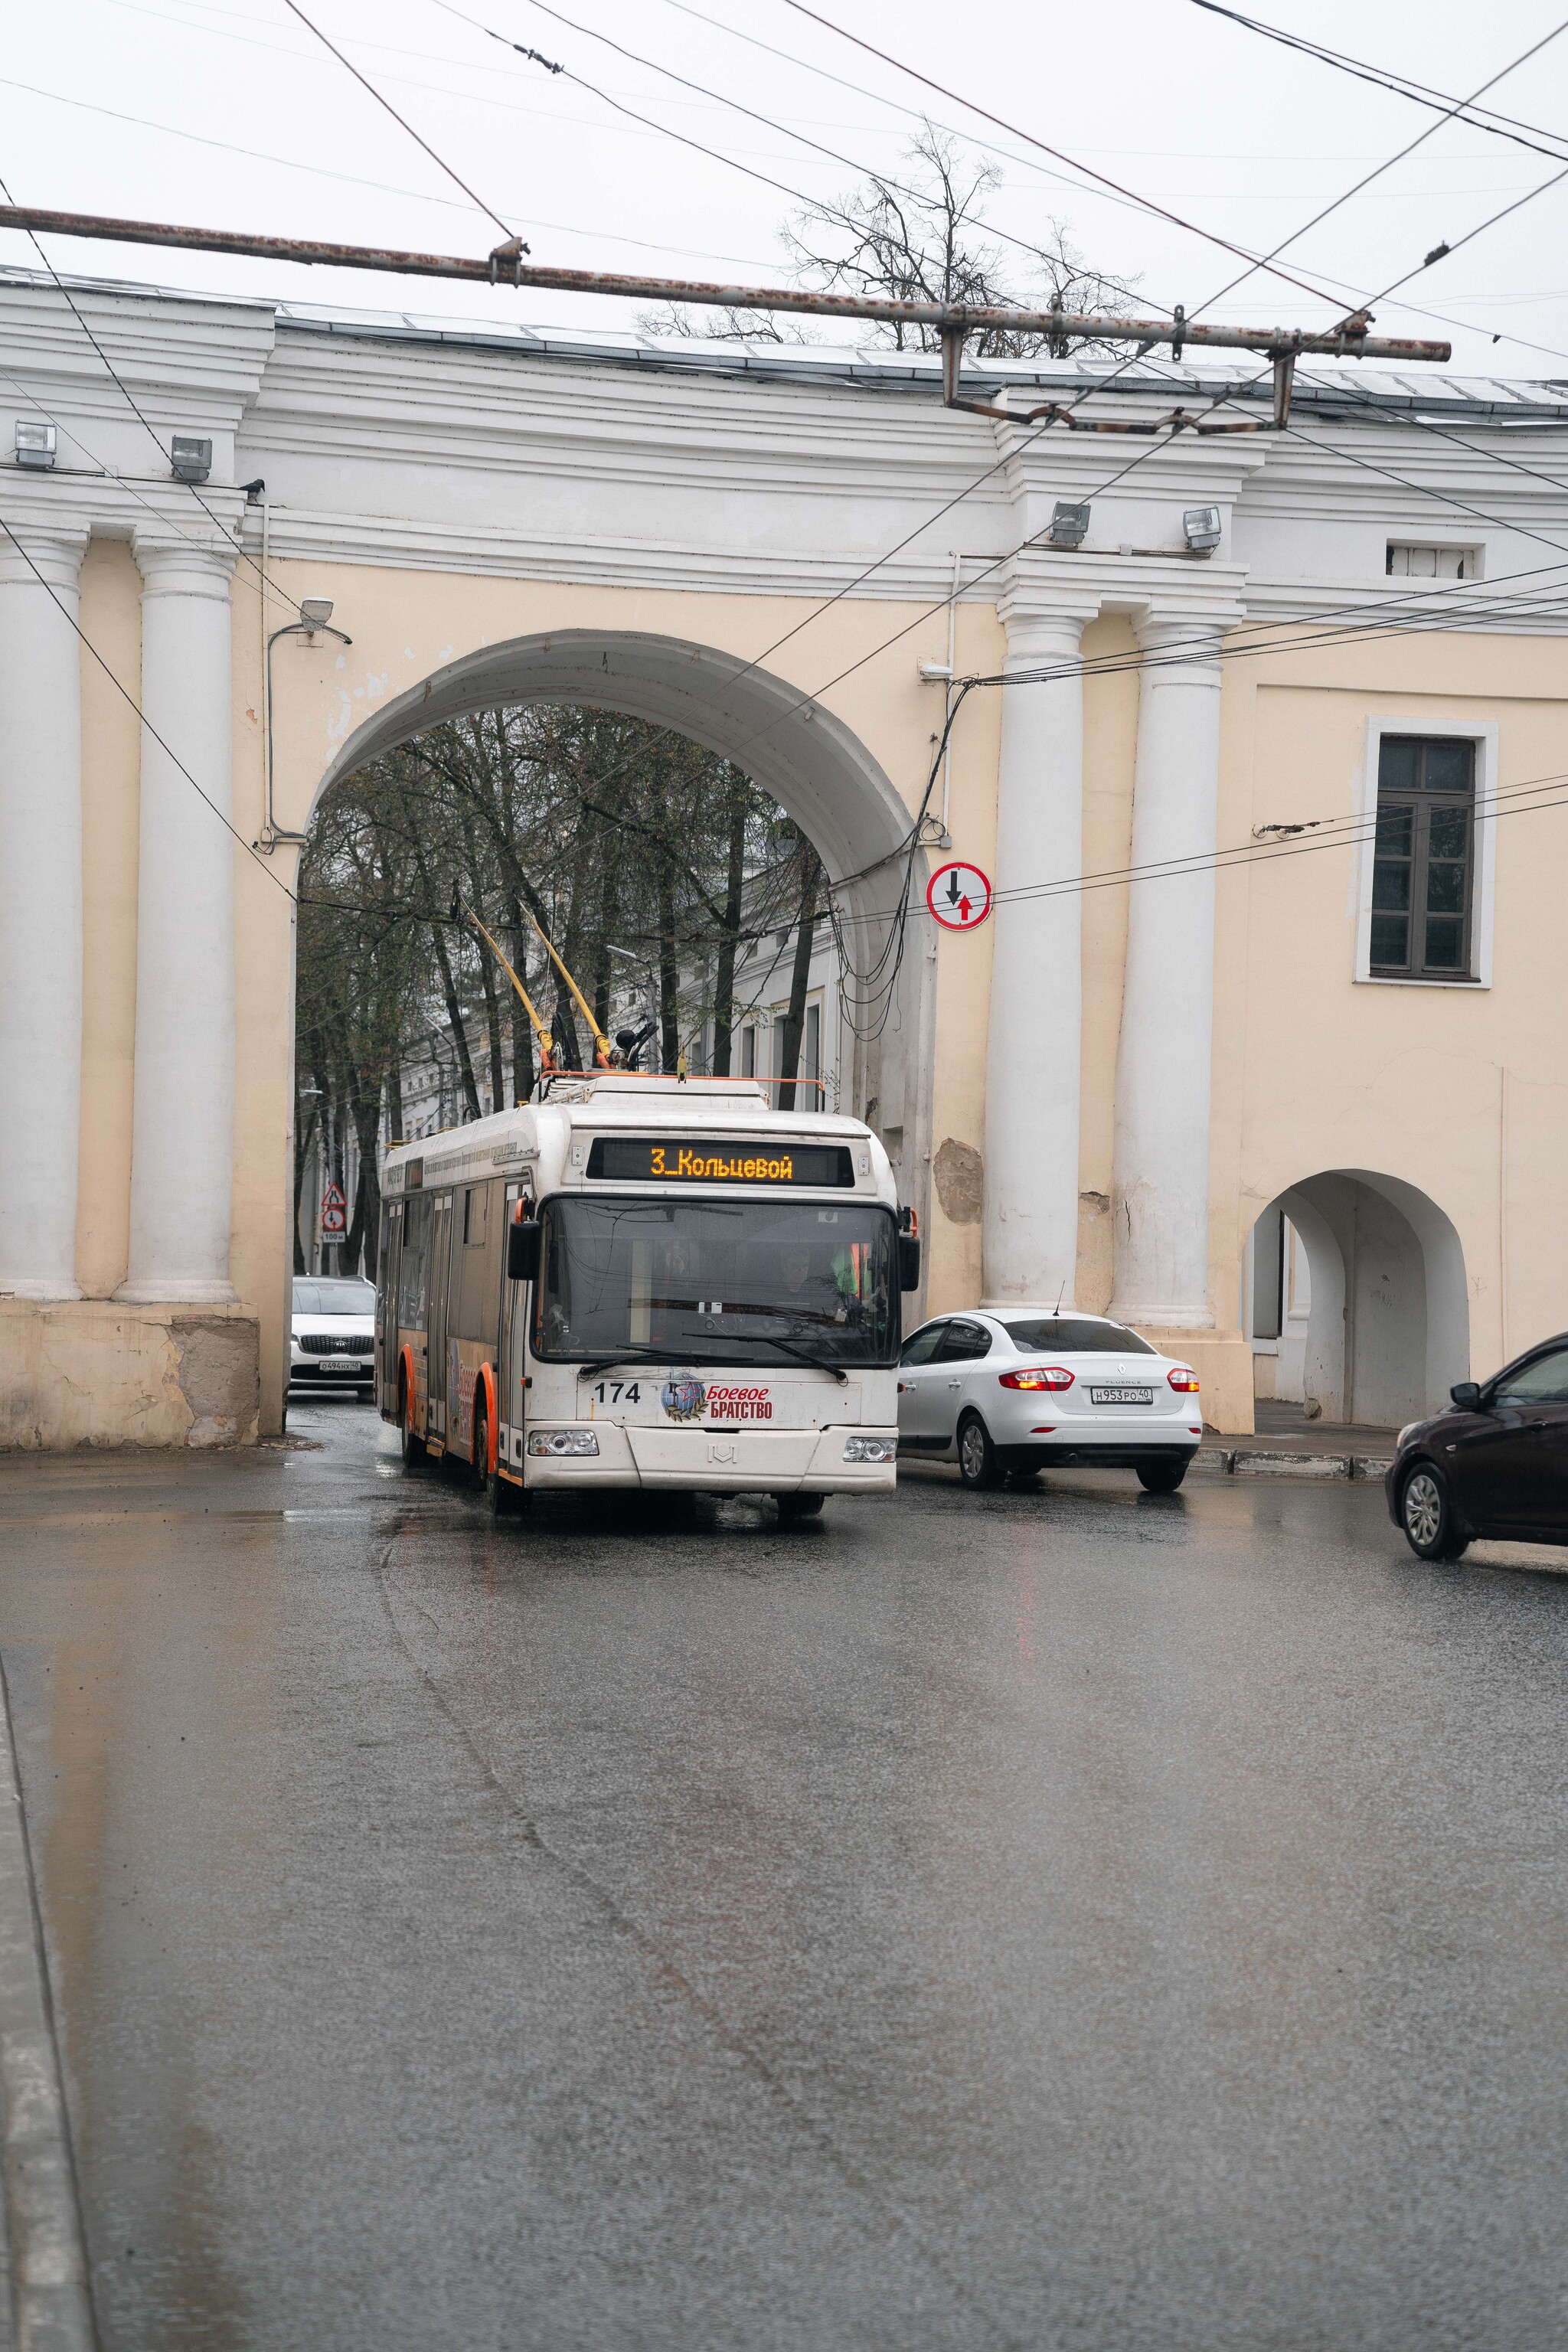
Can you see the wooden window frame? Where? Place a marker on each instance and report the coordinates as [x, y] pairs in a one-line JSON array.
[[1422, 726], [1421, 801]]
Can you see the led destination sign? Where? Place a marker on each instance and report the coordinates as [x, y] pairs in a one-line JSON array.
[[643, 1160]]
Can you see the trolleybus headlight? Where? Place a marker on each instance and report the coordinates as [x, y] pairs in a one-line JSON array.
[[562, 1440], [869, 1449]]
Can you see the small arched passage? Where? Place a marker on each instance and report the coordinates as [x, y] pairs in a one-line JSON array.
[[1381, 1328], [812, 764]]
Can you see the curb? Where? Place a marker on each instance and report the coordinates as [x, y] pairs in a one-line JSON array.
[[51, 2301], [1252, 1462]]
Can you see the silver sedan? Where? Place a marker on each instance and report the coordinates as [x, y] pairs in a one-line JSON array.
[[1015, 1392]]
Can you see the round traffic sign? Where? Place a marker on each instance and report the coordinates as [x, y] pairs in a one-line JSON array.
[[959, 896]]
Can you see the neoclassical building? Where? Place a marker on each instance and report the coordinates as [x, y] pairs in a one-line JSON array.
[[1262, 1047]]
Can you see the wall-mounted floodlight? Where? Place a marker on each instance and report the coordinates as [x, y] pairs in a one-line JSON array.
[[315, 612], [1202, 529], [1069, 525], [190, 458], [35, 445]]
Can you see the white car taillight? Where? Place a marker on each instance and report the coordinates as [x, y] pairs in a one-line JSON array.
[[1183, 1380], [1039, 1376]]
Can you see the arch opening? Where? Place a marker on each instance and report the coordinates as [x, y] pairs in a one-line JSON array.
[[792, 750], [1357, 1304]]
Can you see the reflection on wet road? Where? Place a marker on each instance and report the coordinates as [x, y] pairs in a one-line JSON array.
[[1073, 1918]]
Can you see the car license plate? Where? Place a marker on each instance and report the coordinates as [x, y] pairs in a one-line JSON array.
[[1122, 1396]]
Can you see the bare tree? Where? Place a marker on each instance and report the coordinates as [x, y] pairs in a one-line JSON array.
[[922, 238], [794, 1019]]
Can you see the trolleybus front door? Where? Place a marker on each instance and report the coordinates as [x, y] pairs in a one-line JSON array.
[[387, 1271], [440, 1257], [513, 1322]]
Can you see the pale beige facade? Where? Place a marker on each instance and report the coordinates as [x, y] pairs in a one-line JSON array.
[[493, 523]]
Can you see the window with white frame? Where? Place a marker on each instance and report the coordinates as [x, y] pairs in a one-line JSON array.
[[1427, 838], [1424, 868]]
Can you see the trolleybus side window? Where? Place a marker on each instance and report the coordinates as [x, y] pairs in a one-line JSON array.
[[476, 1265], [411, 1271]]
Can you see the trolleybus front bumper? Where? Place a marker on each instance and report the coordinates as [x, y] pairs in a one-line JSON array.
[[718, 1461]]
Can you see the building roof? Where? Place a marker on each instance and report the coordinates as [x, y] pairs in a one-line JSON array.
[[1337, 391]]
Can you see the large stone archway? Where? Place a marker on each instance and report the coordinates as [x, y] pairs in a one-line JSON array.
[[814, 766]]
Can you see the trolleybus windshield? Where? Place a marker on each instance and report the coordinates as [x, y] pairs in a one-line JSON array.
[[738, 1282]]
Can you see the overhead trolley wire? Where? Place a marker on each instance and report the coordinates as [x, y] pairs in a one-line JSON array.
[[1479, 118], [440, 160], [1146, 204], [733, 104], [1338, 832], [1419, 141]]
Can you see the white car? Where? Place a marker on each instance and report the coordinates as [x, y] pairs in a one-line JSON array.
[[334, 1338], [1015, 1391]]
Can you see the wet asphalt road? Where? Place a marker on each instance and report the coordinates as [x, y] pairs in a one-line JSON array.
[[1059, 1919]]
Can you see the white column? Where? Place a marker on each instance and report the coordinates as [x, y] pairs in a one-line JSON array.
[[1161, 1183], [181, 1171], [40, 912], [1030, 1232]]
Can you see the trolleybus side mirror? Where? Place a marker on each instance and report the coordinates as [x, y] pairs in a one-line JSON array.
[[908, 1261], [522, 1251]]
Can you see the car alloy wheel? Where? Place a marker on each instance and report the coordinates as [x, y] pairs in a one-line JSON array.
[[1427, 1514], [977, 1463]]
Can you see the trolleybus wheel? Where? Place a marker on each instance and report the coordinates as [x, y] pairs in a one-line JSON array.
[[412, 1447], [799, 1507], [504, 1499]]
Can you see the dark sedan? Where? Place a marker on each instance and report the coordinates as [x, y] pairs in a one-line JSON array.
[[1494, 1463]]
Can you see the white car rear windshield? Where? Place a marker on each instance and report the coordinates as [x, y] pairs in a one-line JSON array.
[[334, 1297], [1072, 1335]]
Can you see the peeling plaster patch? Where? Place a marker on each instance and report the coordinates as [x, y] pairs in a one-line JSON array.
[[960, 1174], [341, 727], [375, 686], [219, 1376], [408, 652]]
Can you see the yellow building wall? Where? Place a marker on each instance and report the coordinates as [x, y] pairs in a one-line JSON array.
[[1463, 1093]]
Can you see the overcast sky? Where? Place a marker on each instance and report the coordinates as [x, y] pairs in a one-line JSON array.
[[234, 116]]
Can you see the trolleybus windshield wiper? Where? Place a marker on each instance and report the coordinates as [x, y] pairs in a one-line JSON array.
[[602, 1364], [773, 1341]]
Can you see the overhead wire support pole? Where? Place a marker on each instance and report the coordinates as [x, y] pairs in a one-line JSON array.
[[506, 266]]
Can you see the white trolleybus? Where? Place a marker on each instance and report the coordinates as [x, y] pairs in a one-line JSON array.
[[638, 1281]]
